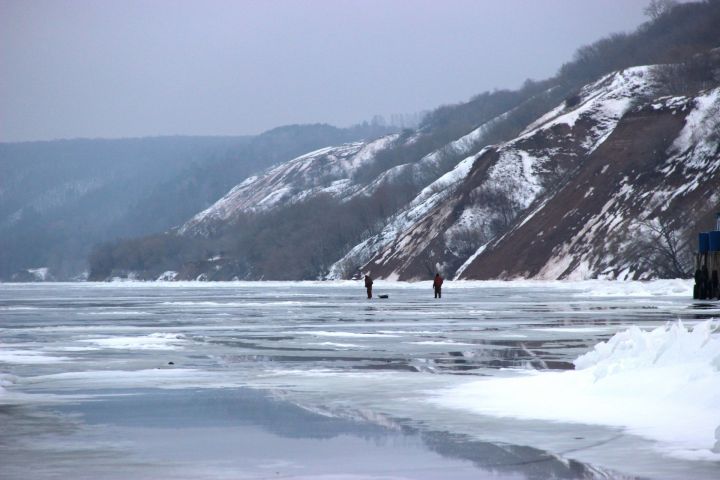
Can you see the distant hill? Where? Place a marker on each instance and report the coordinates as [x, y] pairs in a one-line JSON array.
[[59, 198]]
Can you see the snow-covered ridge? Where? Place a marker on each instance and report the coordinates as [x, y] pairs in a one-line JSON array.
[[327, 170], [601, 107], [607, 98], [429, 163]]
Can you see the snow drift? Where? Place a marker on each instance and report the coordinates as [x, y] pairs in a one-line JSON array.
[[662, 384]]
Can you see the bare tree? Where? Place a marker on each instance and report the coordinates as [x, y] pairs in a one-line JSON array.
[[664, 249]]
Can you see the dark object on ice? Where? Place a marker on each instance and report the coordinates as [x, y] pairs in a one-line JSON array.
[[703, 242], [368, 285], [714, 241], [707, 264], [383, 296], [437, 285], [171, 363]]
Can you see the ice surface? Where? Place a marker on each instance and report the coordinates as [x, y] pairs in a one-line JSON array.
[[407, 361]]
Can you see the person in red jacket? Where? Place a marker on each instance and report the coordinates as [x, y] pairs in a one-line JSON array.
[[437, 285], [368, 285]]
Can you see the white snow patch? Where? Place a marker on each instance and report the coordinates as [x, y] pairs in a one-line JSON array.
[[154, 341], [470, 260], [168, 276], [39, 273], [703, 117]]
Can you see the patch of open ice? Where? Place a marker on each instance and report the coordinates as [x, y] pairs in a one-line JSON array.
[[662, 384]]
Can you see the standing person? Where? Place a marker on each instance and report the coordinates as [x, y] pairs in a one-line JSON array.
[[437, 285], [368, 285]]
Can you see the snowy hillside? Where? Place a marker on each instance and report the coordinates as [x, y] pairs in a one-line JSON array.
[[324, 171], [467, 208], [327, 171], [659, 170]]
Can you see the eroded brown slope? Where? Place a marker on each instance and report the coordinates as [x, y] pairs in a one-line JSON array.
[[595, 209]]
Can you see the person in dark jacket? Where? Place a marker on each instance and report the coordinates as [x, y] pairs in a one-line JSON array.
[[437, 285], [368, 285]]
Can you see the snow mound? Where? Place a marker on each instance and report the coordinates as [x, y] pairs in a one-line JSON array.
[[662, 384], [626, 288], [634, 348]]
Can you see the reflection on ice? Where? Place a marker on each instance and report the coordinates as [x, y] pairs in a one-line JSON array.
[[240, 433]]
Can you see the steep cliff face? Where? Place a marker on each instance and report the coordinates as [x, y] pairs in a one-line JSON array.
[[476, 206], [657, 171]]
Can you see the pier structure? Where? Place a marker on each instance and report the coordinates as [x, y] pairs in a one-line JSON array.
[[707, 265]]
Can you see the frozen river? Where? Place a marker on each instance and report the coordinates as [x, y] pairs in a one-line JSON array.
[[311, 380]]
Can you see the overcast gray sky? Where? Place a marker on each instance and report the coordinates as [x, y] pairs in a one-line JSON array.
[[72, 68]]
